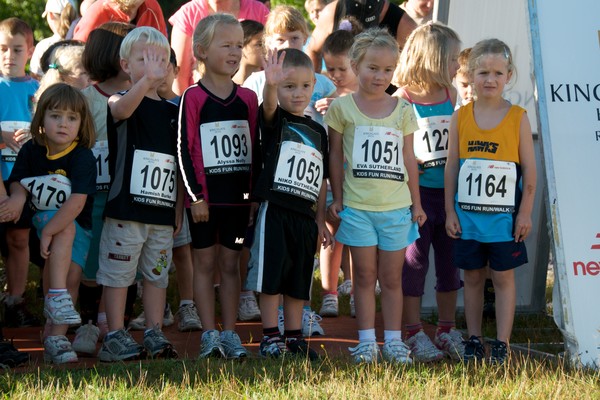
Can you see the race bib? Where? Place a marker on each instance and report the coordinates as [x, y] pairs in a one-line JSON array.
[[100, 151], [487, 186], [377, 153], [299, 170], [431, 140], [48, 192], [7, 154], [226, 147], [154, 179]]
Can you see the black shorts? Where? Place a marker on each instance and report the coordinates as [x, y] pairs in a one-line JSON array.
[[502, 256], [226, 226], [282, 255]]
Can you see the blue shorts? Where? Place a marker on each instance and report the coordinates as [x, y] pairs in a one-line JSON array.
[[388, 230], [81, 243], [502, 256]]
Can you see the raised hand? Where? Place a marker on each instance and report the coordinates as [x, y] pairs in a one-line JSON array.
[[273, 67], [155, 63]]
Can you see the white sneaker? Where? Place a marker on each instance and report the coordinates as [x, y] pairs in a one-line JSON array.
[[189, 320], [329, 307], [396, 351], [310, 324], [168, 318], [280, 321], [345, 287], [86, 337], [365, 352], [422, 349], [58, 350], [452, 344], [248, 309], [138, 323], [60, 310]]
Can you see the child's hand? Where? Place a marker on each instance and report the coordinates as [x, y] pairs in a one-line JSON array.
[[22, 136], [418, 214], [45, 242], [199, 212], [11, 142], [523, 226], [155, 65], [253, 207], [10, 209], [453, 228], [333, 210], [273, 68], [322, 105], [419, 164], [326, 239]]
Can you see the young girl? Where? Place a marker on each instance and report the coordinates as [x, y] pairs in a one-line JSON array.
[[216, 146], [252, 52], [490, 184], [379, 204], [427, 65], [65, 65], [56, 174]]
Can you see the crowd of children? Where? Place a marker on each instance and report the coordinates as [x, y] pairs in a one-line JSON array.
[[111, 178]]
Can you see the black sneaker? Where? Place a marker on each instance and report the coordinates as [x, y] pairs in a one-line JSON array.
[[272, 347], [300, 347], [474, 350], [11, 357], [18, 316], [498, 352]]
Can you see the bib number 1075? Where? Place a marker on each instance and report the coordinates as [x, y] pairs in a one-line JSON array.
[[157, 178]]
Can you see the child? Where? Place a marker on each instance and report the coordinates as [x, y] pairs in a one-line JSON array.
[[291, 219], [427, 66], [17, 90], [65, 65], [490, 143], [252, 52], [143, 202], [335, 54], [57, 168], [380, 204], [216, 144], [463, 84]]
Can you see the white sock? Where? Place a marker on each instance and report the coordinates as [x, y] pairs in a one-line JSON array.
[[392, 335], [185, 303], [366, 335]]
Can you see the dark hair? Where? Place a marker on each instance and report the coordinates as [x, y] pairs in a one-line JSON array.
[[251, 28], [15, 26], [61, 96], [45, 58], [295, 58], [338, 43], [173, 58], [101, 55]]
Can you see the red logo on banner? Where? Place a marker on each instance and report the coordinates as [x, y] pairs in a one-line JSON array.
[[588, 268]]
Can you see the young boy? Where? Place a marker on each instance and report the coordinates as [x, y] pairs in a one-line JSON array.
[[143, 202], [463, 84], [291, 219], [17, 91]]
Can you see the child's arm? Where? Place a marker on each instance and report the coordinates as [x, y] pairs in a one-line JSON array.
[[65, 215], [336, 172], [123, 106], [274, 75], [325, 237], [453, 228], [523, 222], [410, 162], [179, 210]]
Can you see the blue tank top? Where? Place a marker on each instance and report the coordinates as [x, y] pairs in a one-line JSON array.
[[431, 140]]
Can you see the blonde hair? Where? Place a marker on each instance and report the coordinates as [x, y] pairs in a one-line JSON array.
[[152, 36], [463, 62], [285, 19], [205, 30], [374, 37], [65, 18], [490, 47], [61, 96], [426, 57], [63, 62]]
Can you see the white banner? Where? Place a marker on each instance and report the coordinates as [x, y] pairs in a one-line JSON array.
[[567, 63]]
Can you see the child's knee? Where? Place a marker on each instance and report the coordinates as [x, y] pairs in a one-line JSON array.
[[18, 239]]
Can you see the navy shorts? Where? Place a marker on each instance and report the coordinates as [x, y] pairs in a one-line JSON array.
[[226, 226], [502, 256]]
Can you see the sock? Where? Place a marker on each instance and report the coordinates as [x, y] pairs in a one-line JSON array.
[[331, 292], [102, 318], [444, 326], [366, 335], [391, 335], [246, 293], [271, 332], [183, 303], [56, 292], [412, 330], [292, 335], [306, 309]]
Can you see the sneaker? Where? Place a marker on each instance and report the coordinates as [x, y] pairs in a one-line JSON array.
[[365, 352], [272, 347], [451, 343], [498, 352], [280, 321], [168, 318], [86, 338], [189, 320], [248, 309], [232, 345], [58, 350], [210, 345], [60, 310], [300, 347], [345, 287], [422, 349], [18, 316], [352, 307], [474, 350], [120, 346], [396, 351], [329, 307], [310, 324], [157, 344], [10, 357], [138, 323]]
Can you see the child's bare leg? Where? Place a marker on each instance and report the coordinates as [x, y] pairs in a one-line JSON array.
[[204, 292], [446, 302], [364, 273], [182, 257], [292, 309], [346, 263], [411, 310], [504, 285], [59, 260], [389, 272], [269, 303], [329, 263], [474, 281], [229, 292], [17, 262], [154, 304], [114, 302]]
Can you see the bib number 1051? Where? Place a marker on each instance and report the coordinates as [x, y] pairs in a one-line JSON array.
[[377, 151]]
